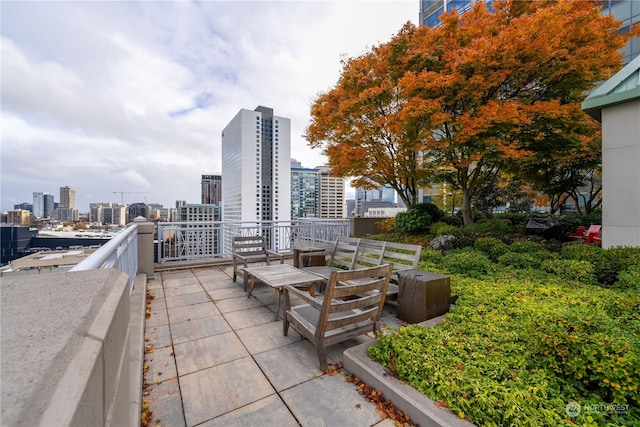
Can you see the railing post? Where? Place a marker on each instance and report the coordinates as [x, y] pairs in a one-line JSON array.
[[145, 246]]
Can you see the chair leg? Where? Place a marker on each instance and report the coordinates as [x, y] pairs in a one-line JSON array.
[[322, 356], [285, 324]]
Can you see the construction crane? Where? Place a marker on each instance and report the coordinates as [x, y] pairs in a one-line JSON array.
[[122, 193]]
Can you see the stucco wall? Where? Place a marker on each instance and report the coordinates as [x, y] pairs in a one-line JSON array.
[[621, 174]]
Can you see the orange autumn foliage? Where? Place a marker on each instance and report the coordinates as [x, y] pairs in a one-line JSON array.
[[487, 91]]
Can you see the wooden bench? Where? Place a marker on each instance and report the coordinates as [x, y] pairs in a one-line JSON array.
[[351, 306], [354, 253], [246, 249]]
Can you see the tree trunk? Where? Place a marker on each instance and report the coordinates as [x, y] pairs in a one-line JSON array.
[[467, 212]]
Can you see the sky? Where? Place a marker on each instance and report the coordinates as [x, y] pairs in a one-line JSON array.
[[111, 96]]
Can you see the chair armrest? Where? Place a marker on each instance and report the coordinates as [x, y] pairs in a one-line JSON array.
[[277, 255], [311, 300]]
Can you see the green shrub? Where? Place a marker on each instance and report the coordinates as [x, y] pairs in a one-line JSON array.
[[470, 263], [581, 252], [629, 278], [491, 246], [524, 260], [442, 229], [516, 352], [456, 221], [495, 227], [524, 246], [413, 221], [613, 261], [434, 212], [571, 270]]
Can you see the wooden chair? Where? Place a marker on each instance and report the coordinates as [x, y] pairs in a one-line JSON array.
[[351, 306], [246, 249]]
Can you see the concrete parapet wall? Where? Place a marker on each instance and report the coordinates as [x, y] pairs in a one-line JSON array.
[[66, 352]]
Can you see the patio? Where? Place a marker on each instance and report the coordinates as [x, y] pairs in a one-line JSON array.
[[215, 357]]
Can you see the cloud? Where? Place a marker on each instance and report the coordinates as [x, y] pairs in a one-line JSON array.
[[133, 96]]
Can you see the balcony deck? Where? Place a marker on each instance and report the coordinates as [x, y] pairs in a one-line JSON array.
[[215, 357]]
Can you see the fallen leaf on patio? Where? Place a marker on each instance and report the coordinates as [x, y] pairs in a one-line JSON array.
[[441, 404], [358, 406]]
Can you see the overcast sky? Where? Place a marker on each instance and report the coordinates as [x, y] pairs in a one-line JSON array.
[[109, 96]]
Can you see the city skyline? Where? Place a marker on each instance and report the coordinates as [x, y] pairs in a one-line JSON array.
[[115, 96]]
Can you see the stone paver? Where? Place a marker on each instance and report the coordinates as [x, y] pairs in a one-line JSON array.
[[219, 359]]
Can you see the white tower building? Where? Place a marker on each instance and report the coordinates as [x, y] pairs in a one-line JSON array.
[[256, 167]]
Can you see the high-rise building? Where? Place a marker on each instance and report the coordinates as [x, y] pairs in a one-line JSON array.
[[627, 11], [65, 214], [305, 190], [256, 167], [201, 237], [25, 206], [211, 189], [135, 210], [38, 204], [67, 197], [332, 194], [49, 205]]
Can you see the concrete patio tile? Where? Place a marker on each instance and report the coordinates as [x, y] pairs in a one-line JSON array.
[[199, 328], [194, 311], [212, 285], [157, 303], [270, 411], [165, 404], [340, 405], [187, 299], [157, 318], [204, 353], [162, 365], [335, 352], [387, 422], [182, 290], [266, 337], [176, 283], [209, 393], [250, 317], [210, 274], [234, 304], [289, 365], [220, 294], [158, 336]]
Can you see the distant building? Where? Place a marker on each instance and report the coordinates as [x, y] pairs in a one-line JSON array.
[[66, 214], [19, 217], [49, 205], [67, 197], [135, 210], [108, 213], [305, 192], [38, 204], [211, 189], [207, 238], [332, 194], [14, 242], [379, 198], [256, 166], [25, 206]]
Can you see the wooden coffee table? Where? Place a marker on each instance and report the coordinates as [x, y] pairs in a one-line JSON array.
[[278, 275]]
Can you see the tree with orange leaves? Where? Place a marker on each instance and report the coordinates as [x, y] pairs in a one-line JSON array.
[[485, 92]]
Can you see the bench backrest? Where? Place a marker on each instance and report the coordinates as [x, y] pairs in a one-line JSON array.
[[344, 252], [249, 245], [401, 256]]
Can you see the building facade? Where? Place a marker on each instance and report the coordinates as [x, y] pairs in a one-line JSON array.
[[211, 189], [19, 217], [305, 192], [256, 166], [332, 194], [67, 197], [38, 204], [205, 237]]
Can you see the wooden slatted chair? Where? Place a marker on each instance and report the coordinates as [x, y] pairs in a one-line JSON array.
[[351, 306], [246, 249]]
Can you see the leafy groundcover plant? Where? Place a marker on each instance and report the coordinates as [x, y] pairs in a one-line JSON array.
[[518, 350]]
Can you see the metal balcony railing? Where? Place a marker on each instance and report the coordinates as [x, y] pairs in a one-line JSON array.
[[121, 253], [181, 241]]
